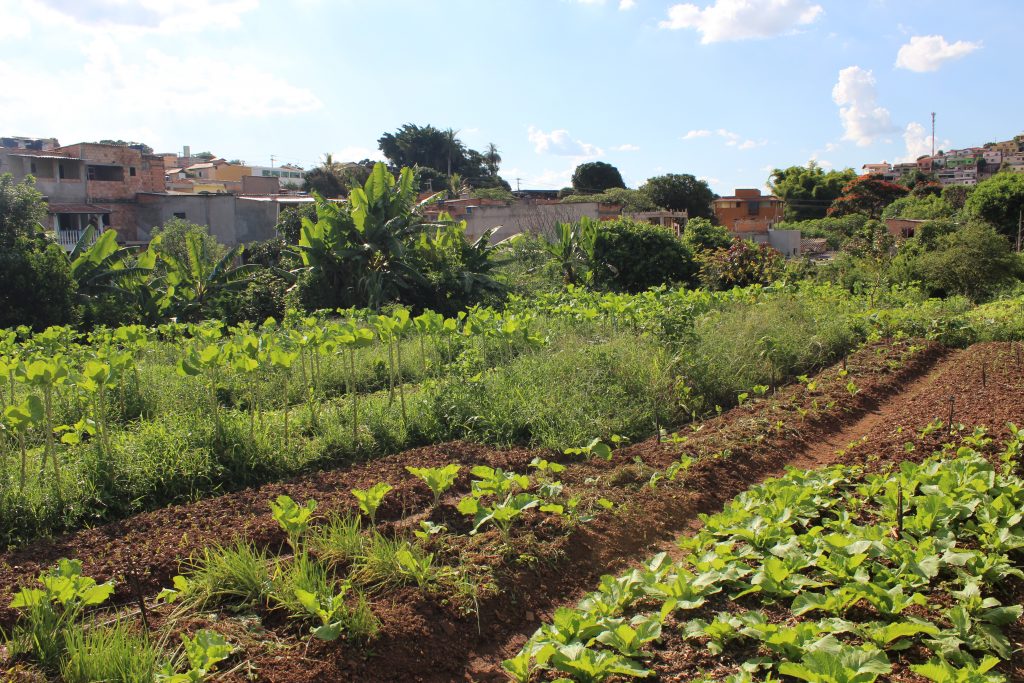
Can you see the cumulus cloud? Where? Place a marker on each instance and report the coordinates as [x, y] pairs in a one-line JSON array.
[[626, 148], [928, 53], [693, 134], [864, 121], [627, 4], [559, 142], [919, 142], [726, 20]]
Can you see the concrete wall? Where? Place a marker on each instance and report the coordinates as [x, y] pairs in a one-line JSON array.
[[786, 241], [232, 220], [67, 190], [519, 217]]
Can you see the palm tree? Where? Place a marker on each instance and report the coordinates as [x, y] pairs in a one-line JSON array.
[[492, 158], [452, 143]]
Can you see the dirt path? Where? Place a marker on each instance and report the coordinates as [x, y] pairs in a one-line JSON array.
[[827, 450]]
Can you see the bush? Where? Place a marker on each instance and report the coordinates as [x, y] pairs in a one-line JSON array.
[[36, 287], [836, 229], [173, 240], [743, 263], [633, 256], [263, 298], [701, 235]]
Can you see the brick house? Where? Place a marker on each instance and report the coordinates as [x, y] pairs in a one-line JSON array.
[[748, 211]]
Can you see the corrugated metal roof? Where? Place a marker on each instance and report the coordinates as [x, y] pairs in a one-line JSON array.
[[46, 156]]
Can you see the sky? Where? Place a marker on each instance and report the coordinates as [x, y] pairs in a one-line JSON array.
[[723, 89]]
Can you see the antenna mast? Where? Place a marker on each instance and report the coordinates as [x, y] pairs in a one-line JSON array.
[[933, 133]]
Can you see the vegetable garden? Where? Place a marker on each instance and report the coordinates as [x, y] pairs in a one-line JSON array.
[[394, 496]]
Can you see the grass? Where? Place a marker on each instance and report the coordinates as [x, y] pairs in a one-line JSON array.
[[677, 355], [109, 653], [238, 573]]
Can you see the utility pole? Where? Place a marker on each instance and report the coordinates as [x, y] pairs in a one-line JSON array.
[[933, 133], [272, 156], [517, 184]]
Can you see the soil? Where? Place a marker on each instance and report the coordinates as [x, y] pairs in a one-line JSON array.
[[549, 565]]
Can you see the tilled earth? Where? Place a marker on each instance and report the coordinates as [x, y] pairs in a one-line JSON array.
[[548, 563]]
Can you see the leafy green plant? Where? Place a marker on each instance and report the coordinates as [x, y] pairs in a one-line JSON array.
[[437, 479], [293, 518], [203, 651], [371, 498]]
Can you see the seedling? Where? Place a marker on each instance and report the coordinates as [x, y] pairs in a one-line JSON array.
[[371, 498], [293, 518], [437, 479]]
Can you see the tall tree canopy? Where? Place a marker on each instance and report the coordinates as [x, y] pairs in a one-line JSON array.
[[680, 192], [1000, 201], [868, 195], [428, 147], [808, 190], [594, 177]]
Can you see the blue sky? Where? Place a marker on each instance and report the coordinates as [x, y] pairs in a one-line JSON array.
[[722, 89]]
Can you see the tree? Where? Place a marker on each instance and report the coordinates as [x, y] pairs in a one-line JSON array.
[[22, 210], [289, 221], [703, 235], [631, 200], [925, 207], [596, 176], [328, 179], [428, 147], [1000, 201], [868, 194], [173, 240], [808, 190], [36, 287], [631, 256], [680, 192], [492, 158], [975, 261]]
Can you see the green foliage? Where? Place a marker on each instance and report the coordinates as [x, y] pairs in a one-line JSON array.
[[594, 177], [437, 479], [371, 498], [836, 229], [22, 211], [700, 234], [632, 256], [680, 192], [974, 261], [998, 200], [289, 221], [494, 193], [808, 190], [174, 241], [441, 151], [927, 207], [36, 287], [573, 249], [868, 195], [109, 653], [630, 200], [743, 263]]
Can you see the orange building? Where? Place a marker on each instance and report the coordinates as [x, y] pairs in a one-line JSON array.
[[748, 211]]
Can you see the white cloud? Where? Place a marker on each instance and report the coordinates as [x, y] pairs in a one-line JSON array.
[[726, 20], [627, 4], [693, 134], [919, 142], [559, 142], [181, 16], [626, 148], [736, 140], [863, 120], [928, 53], [151, 86]]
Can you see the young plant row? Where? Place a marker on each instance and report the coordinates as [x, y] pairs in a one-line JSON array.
[[865, 567]]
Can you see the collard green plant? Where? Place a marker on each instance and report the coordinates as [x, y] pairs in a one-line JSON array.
[[437, 479], [371, 498]]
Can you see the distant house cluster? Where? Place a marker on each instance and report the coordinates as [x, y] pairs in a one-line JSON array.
[[968, 166], [127, 189]]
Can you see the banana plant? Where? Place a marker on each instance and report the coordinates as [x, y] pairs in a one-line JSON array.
[[100, 266], [192, 283]]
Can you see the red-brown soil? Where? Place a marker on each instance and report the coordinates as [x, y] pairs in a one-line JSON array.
[[424, 640]]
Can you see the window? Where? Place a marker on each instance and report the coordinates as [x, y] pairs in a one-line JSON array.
[[60, 171], [179, 214], [106, 173], [131, 171], [753, 208]]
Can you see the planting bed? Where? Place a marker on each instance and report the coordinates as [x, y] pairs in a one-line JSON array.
[[547, 561]]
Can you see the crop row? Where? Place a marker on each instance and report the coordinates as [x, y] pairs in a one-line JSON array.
[[857, 569]]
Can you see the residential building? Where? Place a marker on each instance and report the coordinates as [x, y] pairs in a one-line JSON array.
[[87, 184], [748, 211], [287, 174]]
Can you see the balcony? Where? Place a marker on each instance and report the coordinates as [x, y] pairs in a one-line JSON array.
[[69, 238]]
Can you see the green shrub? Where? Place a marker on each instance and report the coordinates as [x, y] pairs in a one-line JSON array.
[[36, 287], [632, 256], [744, 263]]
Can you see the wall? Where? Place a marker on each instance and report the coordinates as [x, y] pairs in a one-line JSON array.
[[519, 217], [67, 190], [252, 184], [733, 213], [786, 241], [232, 220]]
